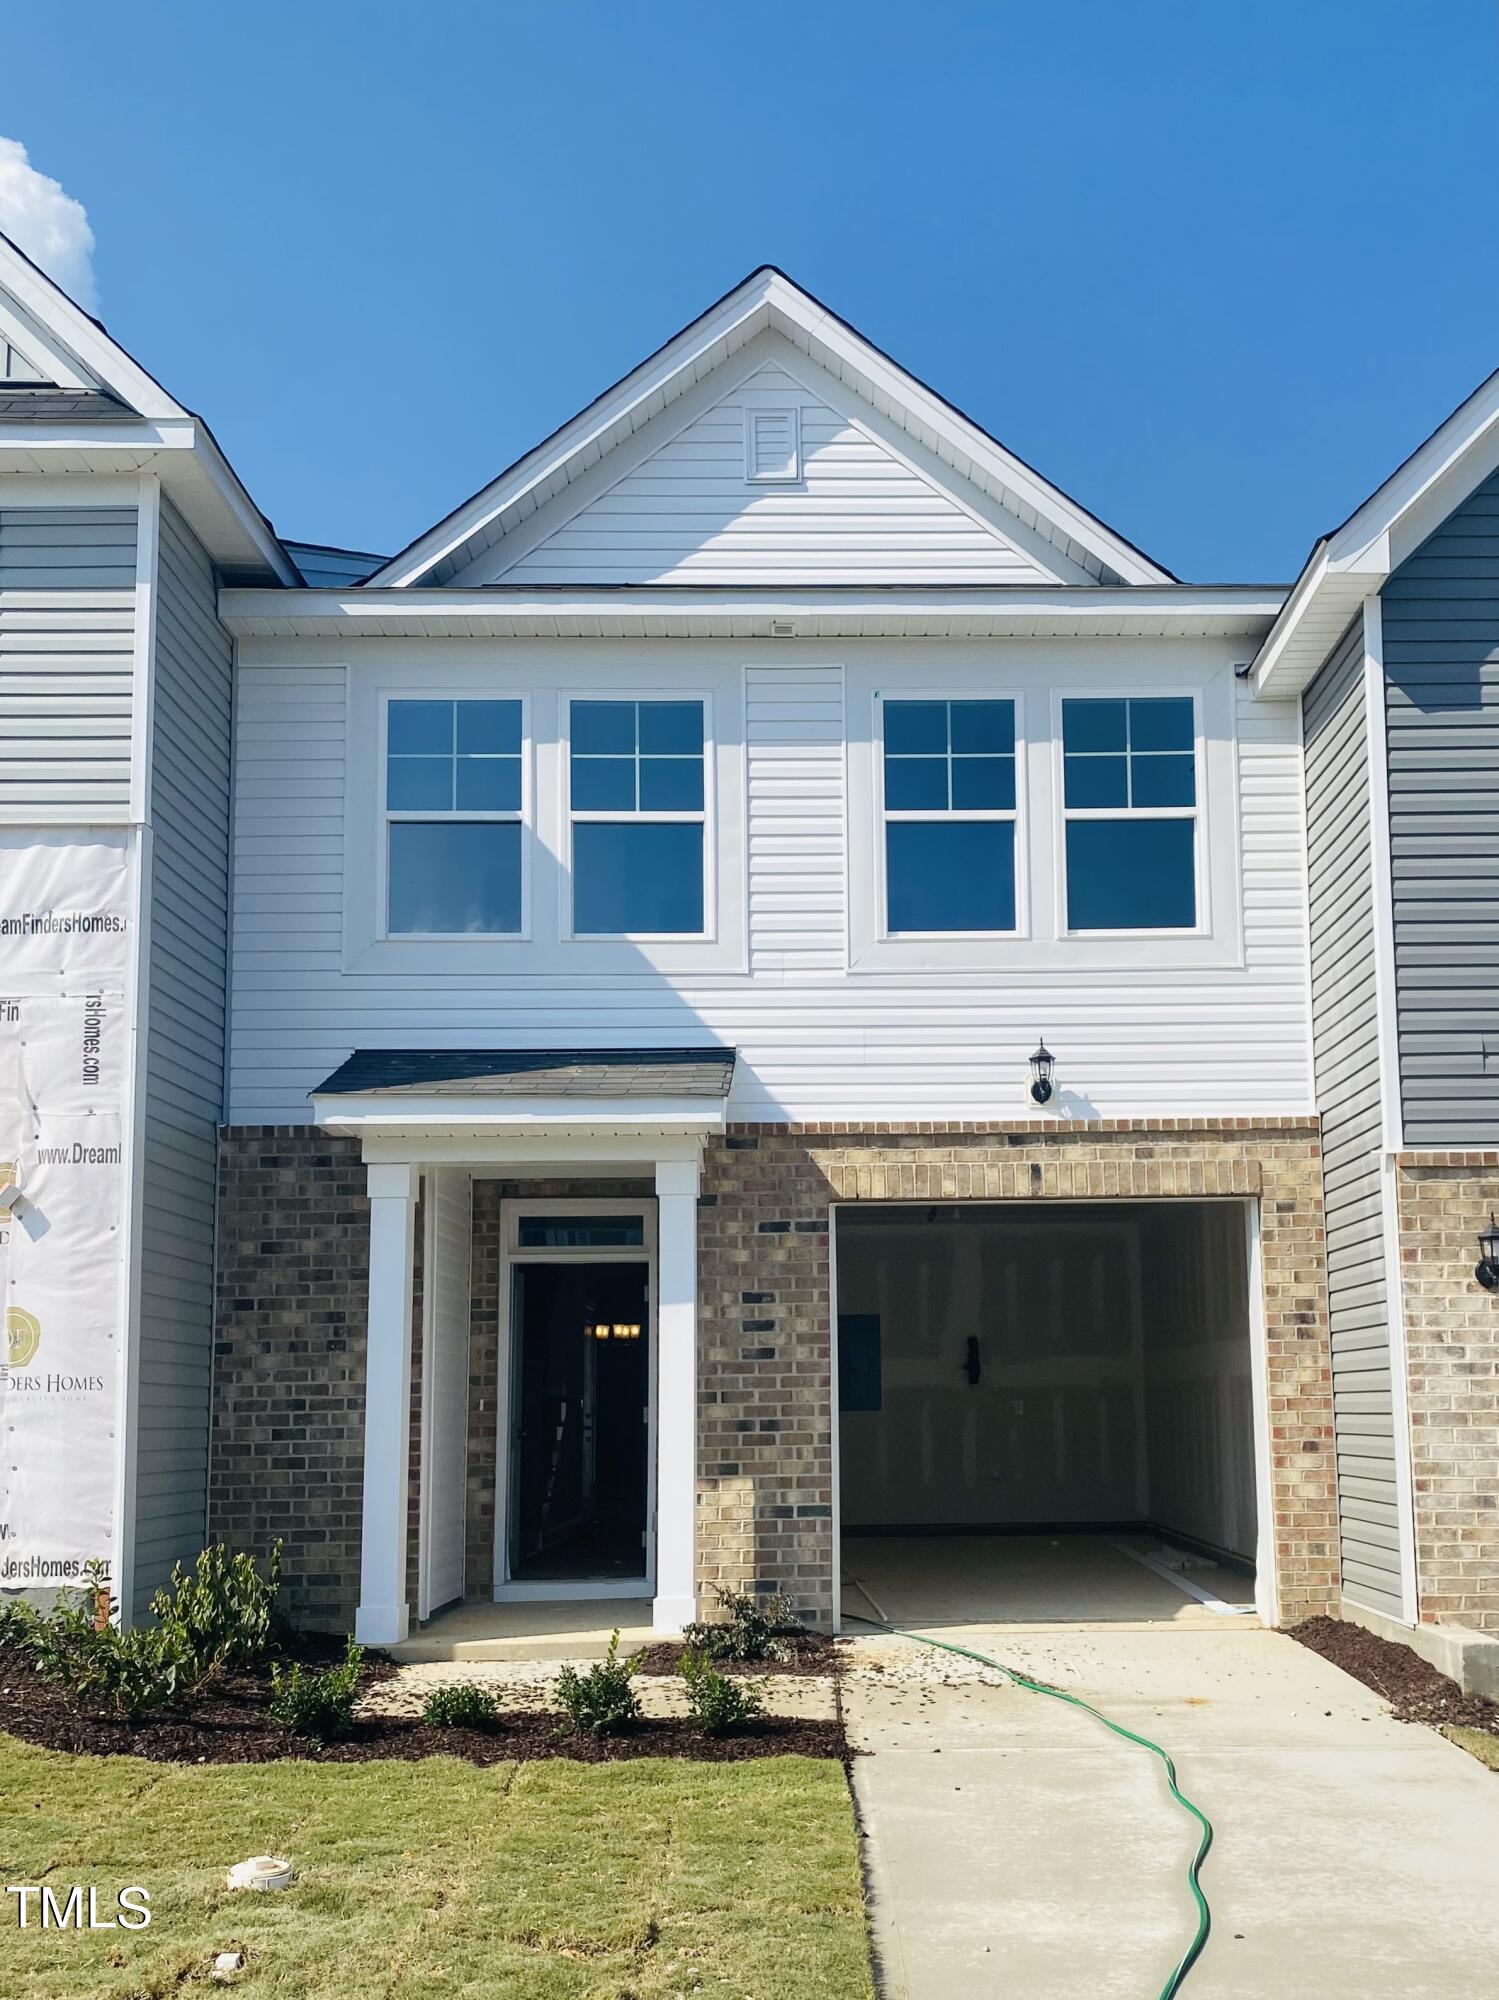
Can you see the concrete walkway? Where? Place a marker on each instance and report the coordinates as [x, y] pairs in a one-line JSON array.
[[1015, 1848]]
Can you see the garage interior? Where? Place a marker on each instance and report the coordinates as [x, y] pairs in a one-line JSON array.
[[1046, 1412]]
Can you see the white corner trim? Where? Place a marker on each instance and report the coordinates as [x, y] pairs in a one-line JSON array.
[[143, 658]]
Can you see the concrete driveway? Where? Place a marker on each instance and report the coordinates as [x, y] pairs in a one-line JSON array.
[[1015, 1848]]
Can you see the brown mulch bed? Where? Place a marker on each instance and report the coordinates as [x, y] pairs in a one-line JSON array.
[[805, 1653], [1412, 1686], [228, 1724]]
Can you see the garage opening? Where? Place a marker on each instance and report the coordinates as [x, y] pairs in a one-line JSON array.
[[1046, 1412]]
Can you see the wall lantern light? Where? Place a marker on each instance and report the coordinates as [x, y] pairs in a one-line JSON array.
[[1043, 1062], [1487, 1272]]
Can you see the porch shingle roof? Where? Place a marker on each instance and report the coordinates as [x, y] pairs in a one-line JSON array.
[[700, 1072]]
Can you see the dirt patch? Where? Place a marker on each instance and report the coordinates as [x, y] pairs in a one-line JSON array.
[[229, 1724], [805, 1653], [1412, 1686]]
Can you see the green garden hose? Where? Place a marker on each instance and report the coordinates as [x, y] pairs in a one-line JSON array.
[[1194, 1869]]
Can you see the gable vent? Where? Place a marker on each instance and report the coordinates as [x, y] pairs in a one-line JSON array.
[[772, 445], [14, 367]]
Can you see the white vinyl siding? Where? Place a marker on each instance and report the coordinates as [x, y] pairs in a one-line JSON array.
[[1228, 1038], [67, 637], [856, 513], [184, 1085], [1346, 1043]]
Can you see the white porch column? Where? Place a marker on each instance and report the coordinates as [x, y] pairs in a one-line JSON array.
[[676, 1395], [383, 1616]]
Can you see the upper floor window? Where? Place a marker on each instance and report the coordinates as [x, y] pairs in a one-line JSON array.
[[453, 802], [949, 811], [638, 812], [1129, 778]]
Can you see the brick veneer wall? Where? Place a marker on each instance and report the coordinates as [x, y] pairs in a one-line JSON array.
[[765, 1381], [293, 1272], [1452, 1373]]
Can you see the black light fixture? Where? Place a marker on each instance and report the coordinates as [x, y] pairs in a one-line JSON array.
[[1043, 1062], [1487, 1272]]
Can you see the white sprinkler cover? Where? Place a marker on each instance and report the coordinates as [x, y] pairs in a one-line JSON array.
[[261, 1871]]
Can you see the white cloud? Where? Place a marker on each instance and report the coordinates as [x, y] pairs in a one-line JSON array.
[[47, 224]]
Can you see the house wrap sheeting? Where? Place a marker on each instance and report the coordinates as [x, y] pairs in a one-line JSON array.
[[64, 1062]]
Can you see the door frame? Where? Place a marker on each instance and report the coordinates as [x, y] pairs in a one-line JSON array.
[[512, 1209]]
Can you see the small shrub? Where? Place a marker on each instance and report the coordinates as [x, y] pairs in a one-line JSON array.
[[602, 1699], [722, 1706], [753, 1629], [461, 1705], [127, 1674], [18, 1623], [222, 1612], [319, 1706]]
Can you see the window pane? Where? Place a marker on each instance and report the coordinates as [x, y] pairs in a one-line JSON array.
[[455, 876], [950, 875], [413, 728], [1093, 725], [913, 784], [489, 728], [914, 727], [603, 728], [671, 728], [1160, 725], [979, 782], [637, 876], [1097, 781], [1131, 874], [671, 784], [489, 784], [579, 1232], [983, 725], [603, 784], [419, 784], [1162, 780]]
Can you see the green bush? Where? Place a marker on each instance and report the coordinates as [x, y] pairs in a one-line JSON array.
[[18, 1623], [222, 1612], [127, 1674], [753, 1628], [722, 1706], [602, 1699], [319, 1706], [461, 1705]]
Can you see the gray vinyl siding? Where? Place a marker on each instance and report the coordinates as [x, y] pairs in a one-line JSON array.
[[1441, 649], [67, 638], [184, 1089], [1345, 1042]]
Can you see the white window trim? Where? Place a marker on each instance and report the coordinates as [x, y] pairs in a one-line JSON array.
[[1198, 813], [707, 818], [388, 817], [793, 415], [1017, 815]]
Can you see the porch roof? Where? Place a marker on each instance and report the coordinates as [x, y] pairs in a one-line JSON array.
[[612, 1073]]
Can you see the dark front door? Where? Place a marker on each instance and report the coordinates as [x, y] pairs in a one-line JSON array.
[[579, 1442]]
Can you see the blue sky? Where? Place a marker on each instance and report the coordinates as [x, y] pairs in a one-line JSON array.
[[1214, 269]]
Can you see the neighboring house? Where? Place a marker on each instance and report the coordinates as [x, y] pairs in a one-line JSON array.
[[649, 892], [1391, 639]]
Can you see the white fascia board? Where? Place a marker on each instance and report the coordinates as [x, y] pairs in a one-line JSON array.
[[102, 358], [708, 611], [572, 1118], [1357, 559]]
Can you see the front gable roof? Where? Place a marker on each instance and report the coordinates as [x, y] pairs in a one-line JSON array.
[[908, 419], [1357, 559]]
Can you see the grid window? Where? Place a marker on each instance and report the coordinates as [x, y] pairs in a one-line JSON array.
[[637, 788], [949, 810], [1129, 781], [453, 794]]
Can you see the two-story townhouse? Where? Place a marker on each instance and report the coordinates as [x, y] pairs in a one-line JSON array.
[[651, 892], [1390, 638]]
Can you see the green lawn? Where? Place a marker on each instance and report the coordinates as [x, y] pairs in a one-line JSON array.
[[631, 1881]]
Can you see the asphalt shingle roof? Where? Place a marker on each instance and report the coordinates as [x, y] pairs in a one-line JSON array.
[[47, 405], [699, 1072]]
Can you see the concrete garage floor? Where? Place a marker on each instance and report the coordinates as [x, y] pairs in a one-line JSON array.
[[1016, 1848]]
